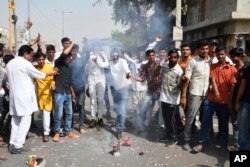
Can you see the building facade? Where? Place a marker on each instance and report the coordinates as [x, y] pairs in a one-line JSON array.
[[225, 20], [4, 35]]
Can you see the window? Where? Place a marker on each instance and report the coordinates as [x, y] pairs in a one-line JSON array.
[[202, 10]]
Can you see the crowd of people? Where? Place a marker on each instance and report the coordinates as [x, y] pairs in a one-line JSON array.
[[184, 84]]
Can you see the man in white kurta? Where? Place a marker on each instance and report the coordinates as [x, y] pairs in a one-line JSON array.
[[20, 73], [96, 81]]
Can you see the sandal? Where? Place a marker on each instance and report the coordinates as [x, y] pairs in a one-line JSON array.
[[3, 145], [45, 138], [232, 148], [198, 148]]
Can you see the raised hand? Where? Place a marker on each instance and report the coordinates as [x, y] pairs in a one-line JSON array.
[[158, 39]]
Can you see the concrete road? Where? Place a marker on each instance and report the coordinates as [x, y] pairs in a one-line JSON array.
[[94, 149]]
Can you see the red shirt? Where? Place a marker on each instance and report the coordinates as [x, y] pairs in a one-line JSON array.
[[154, 82], [224, 78]]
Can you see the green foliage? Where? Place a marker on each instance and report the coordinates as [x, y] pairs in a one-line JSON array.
[[129, 42], [127, 11], [117, 35]]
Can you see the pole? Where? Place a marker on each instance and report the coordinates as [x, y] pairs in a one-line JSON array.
[[15, 33], [10, 27], [29, 17], [62, 12], [178, 21], [62, 24]]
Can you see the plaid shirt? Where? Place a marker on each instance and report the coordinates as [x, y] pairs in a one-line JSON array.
[[154, 83]]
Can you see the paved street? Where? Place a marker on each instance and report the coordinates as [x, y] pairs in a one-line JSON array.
[[94, 149]]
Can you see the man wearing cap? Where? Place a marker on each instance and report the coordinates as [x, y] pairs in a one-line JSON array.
[[212, 47]]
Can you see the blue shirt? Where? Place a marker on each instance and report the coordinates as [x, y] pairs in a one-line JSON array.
[[77, 66]]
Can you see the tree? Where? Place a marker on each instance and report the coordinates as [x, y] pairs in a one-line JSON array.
[[125, 11], [129, 42], [117, 35], [145, 29]]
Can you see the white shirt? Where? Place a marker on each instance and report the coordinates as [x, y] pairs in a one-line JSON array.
[[1, 70], [57, 55], [20, 74], [49, 62], [118, 73], [95, 70], [197, 72], [151, 45], [26, 36], [25, 40], [137, 86], [228, 60], [170, 91]]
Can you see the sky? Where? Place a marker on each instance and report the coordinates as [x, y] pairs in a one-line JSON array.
[[85, 20]]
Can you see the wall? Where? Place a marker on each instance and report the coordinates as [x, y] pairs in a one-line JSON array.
[[243, 5], [214, 9], [219, 8], [5, 35]]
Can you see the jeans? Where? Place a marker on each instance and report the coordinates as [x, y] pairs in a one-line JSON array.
[[209, 107], [234, 121], [106, 99], [244, 127], [80, 95], [146, 109], [63, 102], [120, 98]]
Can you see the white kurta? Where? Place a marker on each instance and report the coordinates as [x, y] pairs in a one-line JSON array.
[[96, 82], [118, 74], [20, 74]]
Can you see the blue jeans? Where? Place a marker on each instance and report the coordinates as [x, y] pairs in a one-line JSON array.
[[80, 95], [234, 121], [63, 102], [120, 98], [106, 98], [209, 107], [146, 109], [244, 127]]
